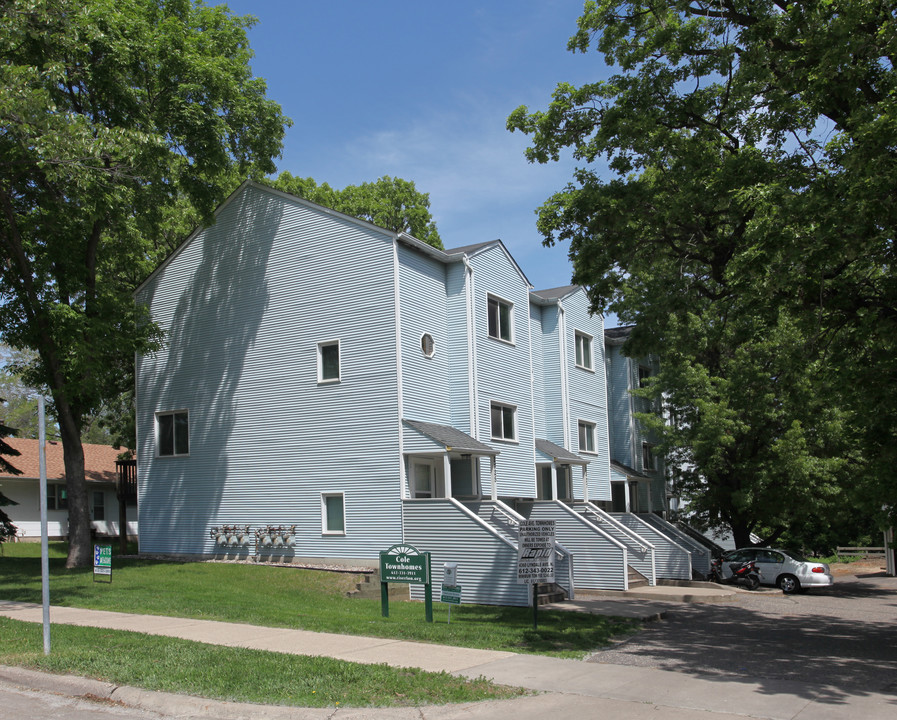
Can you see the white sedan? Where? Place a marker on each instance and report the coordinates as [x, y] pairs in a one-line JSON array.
[[782, 568]]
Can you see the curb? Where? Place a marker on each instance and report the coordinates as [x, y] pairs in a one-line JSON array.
[[186, 706]]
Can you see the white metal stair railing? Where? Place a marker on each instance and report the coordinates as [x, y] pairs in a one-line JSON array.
[[646, 564], [674, 561], [701, 554], [505, 520], [597, 515]]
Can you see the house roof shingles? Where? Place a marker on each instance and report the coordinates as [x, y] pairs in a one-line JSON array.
[[99, 461]]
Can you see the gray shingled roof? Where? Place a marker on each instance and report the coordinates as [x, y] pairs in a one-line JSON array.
[[451, 438], [554, 293], [627, 471], [559, 454], [469, 248], [618, 335]]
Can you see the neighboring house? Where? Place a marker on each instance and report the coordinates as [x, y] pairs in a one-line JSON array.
[[330, 389], [100, 471], [638, 474]]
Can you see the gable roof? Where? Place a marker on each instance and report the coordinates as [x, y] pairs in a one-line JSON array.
[[552, 295], [99, 461], [617, 335], [452, 439], [627, 471], [477, 248]]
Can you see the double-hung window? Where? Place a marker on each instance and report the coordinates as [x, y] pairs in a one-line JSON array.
[[99, 505], [328, 361], [504, 421], [643, 374], [500, 314], [172, 433], [333, 514], [586, 437], [583, 350]]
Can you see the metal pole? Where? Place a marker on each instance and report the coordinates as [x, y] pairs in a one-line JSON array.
[[44, 545]]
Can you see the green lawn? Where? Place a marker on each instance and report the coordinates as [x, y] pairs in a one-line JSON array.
[[295, 598], [234, 674]]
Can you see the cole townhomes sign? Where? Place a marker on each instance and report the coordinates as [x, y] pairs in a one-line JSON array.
[[405, 564]]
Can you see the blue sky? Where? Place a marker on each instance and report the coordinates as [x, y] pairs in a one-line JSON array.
[[422, 91]]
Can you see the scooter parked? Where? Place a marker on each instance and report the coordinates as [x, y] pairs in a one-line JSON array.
[[743, 573]]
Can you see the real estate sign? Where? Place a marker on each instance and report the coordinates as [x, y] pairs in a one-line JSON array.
[[535, 552]]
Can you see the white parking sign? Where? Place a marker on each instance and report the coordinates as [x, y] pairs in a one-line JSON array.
[[535, 552]]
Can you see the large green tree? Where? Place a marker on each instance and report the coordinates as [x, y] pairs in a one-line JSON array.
[[391, 203], [122, 122], [736, 201]]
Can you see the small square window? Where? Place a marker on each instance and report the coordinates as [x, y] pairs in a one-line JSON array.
[[172, 433], [328, 361], [586, 437], [500, 319], [503, 420], [583, 350], [333, 517]]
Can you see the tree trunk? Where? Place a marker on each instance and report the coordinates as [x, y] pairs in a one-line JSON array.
[[80, 550], [741, 535]]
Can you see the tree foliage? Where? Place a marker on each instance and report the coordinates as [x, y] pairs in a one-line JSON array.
[[122, 123], [7, 528], [736, 201], [391, 203]]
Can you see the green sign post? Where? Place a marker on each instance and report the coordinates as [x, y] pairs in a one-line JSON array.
[[405, 564], [102, 561]]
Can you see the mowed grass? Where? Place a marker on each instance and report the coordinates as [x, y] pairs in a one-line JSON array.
[[233, 674], [296, 598]]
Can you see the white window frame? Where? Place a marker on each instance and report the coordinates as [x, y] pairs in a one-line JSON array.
[[325, 530], [580, 337], [504, 407], [320, 360], [173, 414], [491, 298], [590, 428], [431, 491]]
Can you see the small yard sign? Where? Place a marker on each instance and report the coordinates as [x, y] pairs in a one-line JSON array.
[[451, 594], [102, 561]]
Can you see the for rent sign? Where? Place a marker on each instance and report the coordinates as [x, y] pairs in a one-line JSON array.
[[535, 552]]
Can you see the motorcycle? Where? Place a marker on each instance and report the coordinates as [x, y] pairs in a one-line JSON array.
[[743, 573]]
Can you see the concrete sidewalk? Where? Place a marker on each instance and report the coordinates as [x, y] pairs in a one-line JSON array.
[[584, 689]]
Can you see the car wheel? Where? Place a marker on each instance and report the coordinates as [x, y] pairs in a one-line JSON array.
[[789, 584]]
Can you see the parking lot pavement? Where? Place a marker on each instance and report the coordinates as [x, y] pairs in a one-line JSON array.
[[844, 636]]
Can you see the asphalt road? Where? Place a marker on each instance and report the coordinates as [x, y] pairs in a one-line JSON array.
[[845, 636]]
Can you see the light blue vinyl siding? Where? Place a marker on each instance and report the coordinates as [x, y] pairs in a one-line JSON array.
[[672, 561], [458, 348], [503, 371], [619, 402], [600, 561], [588, 395], [245, 303], [552, 378], [487, 562], [540, 392], [422, 308]]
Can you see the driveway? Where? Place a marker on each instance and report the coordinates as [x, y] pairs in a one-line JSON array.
[[845, 636]]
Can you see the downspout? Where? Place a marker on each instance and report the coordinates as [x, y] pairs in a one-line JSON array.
[[472, 391], [403, 489], [532, 391]]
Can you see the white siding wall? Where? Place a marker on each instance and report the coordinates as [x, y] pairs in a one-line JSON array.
[[245, 303]]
